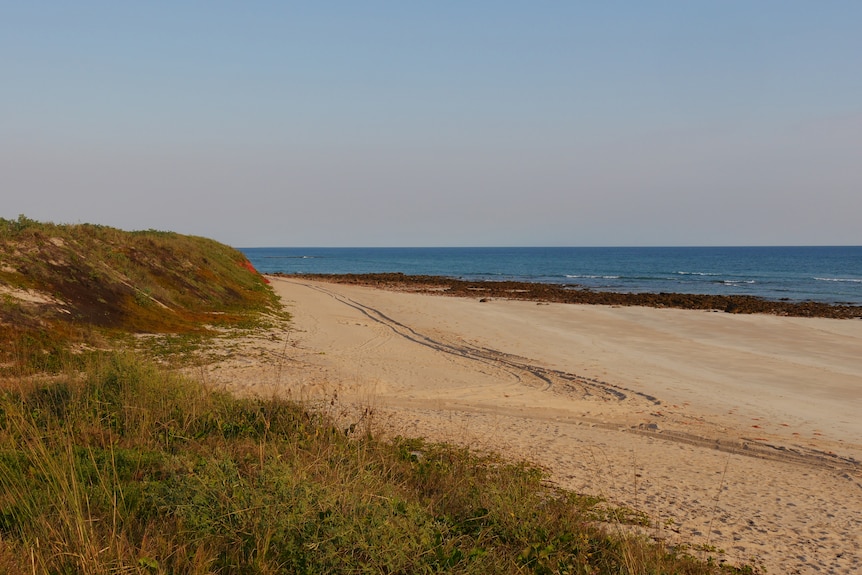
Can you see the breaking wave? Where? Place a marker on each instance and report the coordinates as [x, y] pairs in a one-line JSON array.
[[842, 280], [588, 277]]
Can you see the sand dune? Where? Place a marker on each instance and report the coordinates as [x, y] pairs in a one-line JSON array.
[[738, 432]]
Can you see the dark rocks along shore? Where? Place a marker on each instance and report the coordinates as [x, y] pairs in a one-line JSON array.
[[574, 294]]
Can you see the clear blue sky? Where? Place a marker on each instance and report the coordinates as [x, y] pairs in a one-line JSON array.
[[437, 123]]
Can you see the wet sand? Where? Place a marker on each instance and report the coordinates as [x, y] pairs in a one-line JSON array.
[[736, 432]]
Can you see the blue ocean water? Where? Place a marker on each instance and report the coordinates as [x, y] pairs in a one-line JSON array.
[[824, 274]]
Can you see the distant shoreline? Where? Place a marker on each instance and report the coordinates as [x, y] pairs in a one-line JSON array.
[[556, 293], [831, 276]]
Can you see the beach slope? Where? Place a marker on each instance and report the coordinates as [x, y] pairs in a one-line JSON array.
[[733, 432]]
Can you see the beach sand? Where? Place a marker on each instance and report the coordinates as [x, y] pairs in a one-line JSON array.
[[734, 432]]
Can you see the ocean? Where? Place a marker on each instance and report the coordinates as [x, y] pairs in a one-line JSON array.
[[818, 273]]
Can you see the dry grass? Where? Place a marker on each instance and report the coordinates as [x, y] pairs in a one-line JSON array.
[[65, 287]]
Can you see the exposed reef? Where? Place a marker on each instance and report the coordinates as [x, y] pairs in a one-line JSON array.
[[540, 292]]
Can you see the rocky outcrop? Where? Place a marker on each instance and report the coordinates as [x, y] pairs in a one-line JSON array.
[[577, 294]]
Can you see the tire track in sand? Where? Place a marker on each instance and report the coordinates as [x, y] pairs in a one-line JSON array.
[[576, 386]]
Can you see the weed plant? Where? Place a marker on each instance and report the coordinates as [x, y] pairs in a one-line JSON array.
[[127, 468]]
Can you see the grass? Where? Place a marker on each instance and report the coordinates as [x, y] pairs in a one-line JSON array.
[[127, 468], [80, 287]]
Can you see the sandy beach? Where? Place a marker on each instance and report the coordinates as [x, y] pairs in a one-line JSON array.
[[733, 432]]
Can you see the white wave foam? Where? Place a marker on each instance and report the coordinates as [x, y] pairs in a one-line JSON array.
[[843, 280], [593, 277], [696, 274]]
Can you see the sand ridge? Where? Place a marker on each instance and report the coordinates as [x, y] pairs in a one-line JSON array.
[[738, 432]]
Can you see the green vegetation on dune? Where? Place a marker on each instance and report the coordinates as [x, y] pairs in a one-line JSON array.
[[69, 284]]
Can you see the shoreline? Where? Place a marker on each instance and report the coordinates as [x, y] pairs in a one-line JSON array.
[[557, 293], [733, 431]]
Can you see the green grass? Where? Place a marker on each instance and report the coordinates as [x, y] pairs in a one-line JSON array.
[[95, 284], [126, 468]]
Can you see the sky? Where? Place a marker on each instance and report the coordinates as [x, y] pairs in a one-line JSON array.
[[444, 123]]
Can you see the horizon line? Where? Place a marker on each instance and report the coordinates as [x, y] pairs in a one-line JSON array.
[[438, 247]]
